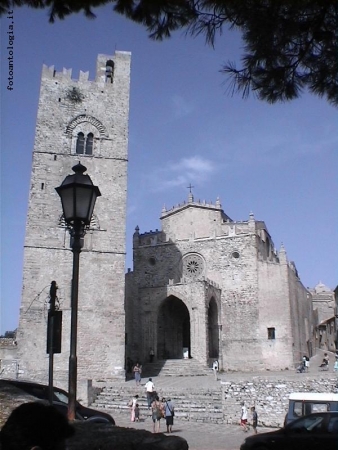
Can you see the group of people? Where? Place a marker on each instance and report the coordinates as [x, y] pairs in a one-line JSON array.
[[244, 418], [324, 365], [160, 409]]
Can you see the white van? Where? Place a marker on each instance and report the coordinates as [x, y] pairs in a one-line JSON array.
[[303, 403]]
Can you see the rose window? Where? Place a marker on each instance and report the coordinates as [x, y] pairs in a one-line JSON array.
[[192, 266]]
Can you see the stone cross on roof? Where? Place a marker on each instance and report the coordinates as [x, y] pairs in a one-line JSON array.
[[191, 197], [190, 187]]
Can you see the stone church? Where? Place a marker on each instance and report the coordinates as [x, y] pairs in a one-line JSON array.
[[208, 287], [202, 287]]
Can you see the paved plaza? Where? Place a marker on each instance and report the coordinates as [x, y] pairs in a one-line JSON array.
[[200, 436], [205, 436]]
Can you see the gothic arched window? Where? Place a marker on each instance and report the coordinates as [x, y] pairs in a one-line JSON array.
[[80, 143], [89, 144]]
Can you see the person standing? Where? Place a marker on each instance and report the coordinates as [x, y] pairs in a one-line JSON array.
[[335, 367], [254, 419], [132, 406], [150, 390], [137, 413], [244, 417], [137, 373], [169, 414], [151, 355], [215, 368], [156, 414], [304, 363], [307, 363]]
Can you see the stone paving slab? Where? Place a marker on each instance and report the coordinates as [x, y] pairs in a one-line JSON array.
[[200, 436]]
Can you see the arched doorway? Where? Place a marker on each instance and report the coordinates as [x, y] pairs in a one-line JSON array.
[[173, 330], [213, 329]]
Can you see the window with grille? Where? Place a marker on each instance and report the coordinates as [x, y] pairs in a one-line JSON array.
[[84, 145], [271, 333], [80, 142]]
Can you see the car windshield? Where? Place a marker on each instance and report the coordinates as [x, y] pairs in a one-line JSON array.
[[307, 423], [61, 396]]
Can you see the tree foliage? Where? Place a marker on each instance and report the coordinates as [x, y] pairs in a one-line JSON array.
[[9, 334], [289, 45]]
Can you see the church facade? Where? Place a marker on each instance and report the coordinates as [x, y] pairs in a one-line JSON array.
[[78, 120], [208, 287]]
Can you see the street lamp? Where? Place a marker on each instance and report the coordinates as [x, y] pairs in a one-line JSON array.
[[78, 197]]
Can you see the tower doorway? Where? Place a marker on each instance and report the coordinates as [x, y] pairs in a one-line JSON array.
[[213, 329], [173, 331]]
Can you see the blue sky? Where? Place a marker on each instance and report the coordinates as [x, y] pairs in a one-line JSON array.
[[278, 161]]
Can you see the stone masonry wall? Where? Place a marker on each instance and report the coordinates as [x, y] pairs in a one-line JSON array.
[[101, 107], [274, 312], [269, 396]]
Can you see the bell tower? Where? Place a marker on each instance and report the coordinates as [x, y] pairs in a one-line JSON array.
[[78, 120]]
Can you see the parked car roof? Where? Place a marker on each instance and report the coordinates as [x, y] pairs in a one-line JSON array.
[[316, 396], [312, 432], [60, 400]]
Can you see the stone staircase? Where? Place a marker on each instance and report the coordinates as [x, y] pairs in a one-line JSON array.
[[192, 404], [202, 405], [175, 368]]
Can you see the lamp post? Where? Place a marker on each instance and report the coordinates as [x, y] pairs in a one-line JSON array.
[[78, 197]]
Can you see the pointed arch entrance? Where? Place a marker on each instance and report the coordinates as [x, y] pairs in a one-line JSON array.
[[173, 329], [213, 329]]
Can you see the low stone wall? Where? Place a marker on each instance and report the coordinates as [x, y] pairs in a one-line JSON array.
[[270, 397], [9, 368]]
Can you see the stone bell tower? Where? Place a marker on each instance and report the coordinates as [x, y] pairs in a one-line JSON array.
[[78, 120]]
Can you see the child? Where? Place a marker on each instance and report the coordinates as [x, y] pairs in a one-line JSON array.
[[137, 413], [335, 367], [254, 419], [244, 417]]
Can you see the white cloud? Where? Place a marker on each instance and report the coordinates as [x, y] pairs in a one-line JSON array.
[[131, 209], [195, 164], [181, 107], [195, 169]]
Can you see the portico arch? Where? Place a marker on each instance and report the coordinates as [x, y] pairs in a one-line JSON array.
[[213, 329], [173, 329]]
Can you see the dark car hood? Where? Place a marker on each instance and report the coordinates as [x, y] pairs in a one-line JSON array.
[[264, 436]]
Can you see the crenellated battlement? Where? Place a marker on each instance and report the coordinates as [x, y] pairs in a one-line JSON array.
[[191, 202], [105, 69], [49, 72], [151, 238], [151, 232]]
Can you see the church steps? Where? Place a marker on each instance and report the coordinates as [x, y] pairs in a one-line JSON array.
[[203, 406], [175, 368]]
